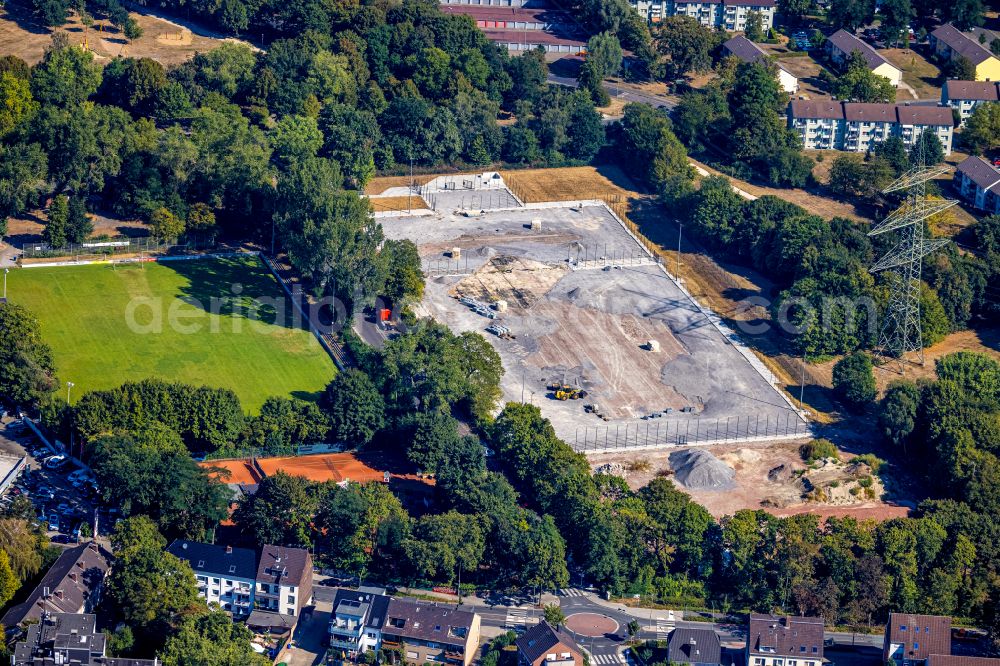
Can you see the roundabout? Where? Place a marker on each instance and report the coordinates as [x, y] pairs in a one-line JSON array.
[[591, 625]]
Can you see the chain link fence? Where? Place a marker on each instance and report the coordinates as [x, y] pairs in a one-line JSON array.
[[114, 249]]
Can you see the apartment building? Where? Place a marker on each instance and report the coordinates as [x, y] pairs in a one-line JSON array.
[[71, 585], [423, 632], [68, 638], [841, 44], [284, 580], [978, 183], [784, 641], [965, 96], [950, 43], [545, 645], [519, 27], [225, 575], [910, 639], [856, 127], [747, 51], [356, 623], [730, 15]]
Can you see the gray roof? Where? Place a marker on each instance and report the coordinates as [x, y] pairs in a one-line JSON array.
[[981, 172], [375, 611], [216, 560], [694, 646], [270, 620], [747, 51], [420, 620], [985, 91], [541, 638], [279, 564], [848, 43], [786, 635], [961, 43], [64, 638], [72, 583]]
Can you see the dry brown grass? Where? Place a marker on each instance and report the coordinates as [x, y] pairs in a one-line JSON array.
[[569, 183], [384, 204], [23, 36], [918, 72], [380, 184]]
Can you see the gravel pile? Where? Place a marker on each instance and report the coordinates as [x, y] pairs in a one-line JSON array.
[[700, 470]]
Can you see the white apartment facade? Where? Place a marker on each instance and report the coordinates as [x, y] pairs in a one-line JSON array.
[[857, 127], [965, 96], [747, 51], [224, 575], [730, 15], [283, 580], [978, 183]]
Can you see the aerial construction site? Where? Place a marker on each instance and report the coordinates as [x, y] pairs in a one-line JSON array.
[[589, 325]]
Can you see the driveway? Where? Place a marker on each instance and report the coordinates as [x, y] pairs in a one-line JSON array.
[[310, 633]]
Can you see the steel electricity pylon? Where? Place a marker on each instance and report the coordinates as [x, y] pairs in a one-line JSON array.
[[901, 336]]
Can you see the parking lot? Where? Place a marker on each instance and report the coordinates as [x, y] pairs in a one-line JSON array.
[[63, 497]]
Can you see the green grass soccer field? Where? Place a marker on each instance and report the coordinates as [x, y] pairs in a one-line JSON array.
[[215, 322]]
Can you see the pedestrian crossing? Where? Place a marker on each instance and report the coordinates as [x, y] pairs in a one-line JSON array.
[[664, 625], [607, 659], [516, 618], [571, 592]]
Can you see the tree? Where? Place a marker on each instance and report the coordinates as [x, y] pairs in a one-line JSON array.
[[361, 525], [67, 75], [859, 84], [850, 14], [280, 512], [16, 103], [404, 273], [78, 223], [927, 149], [553, 614], [443, 545], [633, 629], [604, 57], [686, 44], [430, 435], [982, 129], [27, 373], [650, 150], [147, 587], [355, 406], [898, 411], [8, 581], [55, 226], [165, 225], [754, 30], [960, 68], [897, 15], [854, 381], [964, 14], [212, 638], [201, 220], [794, 10]]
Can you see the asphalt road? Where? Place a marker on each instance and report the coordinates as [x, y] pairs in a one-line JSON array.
[[626, 94]]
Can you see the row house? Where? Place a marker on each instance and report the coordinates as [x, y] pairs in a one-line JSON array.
[[697, 647], [965, 96], [949, 43], [910, 639], [68, 638], [856, 127], [841, 44], [547, 645], [747, 51], [730, 15], [422, 632], [978, 183]]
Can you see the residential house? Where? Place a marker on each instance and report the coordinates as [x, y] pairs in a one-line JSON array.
[[856, 127], [518, 27], [747, 51], [841, 44], [784, 641], [71, 585], [68, 638], [698, 647], [949, 43], [225, 575], [965, 96], [730, 15], [978, 183], [545, 645], [427, 632], [284, 580], [356, 623], [911, 639]]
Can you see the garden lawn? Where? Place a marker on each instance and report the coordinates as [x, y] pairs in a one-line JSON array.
[[211, 322]]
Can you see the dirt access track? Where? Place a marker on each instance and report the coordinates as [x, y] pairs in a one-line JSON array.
[[583, 302]]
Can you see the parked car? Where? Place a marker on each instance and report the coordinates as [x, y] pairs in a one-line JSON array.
[[54, 522], [55, 462]]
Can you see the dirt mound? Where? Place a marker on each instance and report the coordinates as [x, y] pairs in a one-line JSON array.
[[780, 474], [700, 470]]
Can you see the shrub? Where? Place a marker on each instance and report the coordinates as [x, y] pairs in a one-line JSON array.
[[818, 449], [870, 459]]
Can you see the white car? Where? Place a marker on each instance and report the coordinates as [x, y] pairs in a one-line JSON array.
[[54, 462]]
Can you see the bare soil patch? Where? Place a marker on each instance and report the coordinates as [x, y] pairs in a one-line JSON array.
[[386, 204], [168, 43], [380, 184], [28, 228], [802, 66], [918, 72], [569, 183]]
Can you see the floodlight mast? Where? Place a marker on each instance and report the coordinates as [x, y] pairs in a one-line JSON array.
[[901, 335]]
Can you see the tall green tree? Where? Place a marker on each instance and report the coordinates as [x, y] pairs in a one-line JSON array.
[[854, 381], [686, 44], [27, 372], [212, 638], [55, 226], [355, 406]]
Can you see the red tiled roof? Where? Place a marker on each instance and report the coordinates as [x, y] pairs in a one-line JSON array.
[[919, 635]]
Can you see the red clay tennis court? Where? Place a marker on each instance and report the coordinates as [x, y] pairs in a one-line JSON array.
[[358, 467]]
